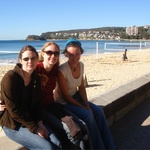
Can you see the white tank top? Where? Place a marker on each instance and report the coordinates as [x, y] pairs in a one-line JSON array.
[[72, 83]]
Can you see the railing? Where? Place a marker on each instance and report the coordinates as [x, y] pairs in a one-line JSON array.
[[122, 46]]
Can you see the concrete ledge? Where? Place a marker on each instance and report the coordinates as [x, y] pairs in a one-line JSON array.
[[7, 144], [117, 102]]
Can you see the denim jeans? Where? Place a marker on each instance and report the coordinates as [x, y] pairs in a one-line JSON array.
[[97, 125], [31, 140]]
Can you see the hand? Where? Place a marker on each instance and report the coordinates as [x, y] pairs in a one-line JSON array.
[[2, 107], [88, 108], [42, 131]]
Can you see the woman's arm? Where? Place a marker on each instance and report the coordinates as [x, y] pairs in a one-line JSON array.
[[63, 88], [40, 130], [8, 87], [83, 94]]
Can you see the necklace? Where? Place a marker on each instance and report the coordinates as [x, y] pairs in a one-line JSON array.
[[74, 69]]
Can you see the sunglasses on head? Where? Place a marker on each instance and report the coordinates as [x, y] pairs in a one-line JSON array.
[[50, 53], [27, 58]]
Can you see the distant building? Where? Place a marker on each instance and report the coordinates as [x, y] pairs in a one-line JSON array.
[[147, 27], [132, 30]]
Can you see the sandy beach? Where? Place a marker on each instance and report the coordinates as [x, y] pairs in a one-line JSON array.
[[108, 70]]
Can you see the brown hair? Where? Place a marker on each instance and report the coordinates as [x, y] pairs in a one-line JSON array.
[[27, 48]]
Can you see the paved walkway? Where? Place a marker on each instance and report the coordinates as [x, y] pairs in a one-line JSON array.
[[133, 130]]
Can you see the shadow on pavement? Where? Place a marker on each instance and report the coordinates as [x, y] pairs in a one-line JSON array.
[[133, 130]]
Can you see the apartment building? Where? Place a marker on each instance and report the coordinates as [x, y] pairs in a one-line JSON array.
[[133, 30]]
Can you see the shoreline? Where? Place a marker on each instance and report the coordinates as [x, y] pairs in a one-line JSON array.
[[108, 70]]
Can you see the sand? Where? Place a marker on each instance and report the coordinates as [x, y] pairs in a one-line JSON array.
[[107, 71]]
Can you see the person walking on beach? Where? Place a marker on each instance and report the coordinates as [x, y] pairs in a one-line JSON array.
[[124, 57], [20, 92], [71, 92]]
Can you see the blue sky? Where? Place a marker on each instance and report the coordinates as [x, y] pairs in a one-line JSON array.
[[20, 18]]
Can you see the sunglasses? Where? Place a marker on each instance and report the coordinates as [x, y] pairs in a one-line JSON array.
[[50, 53], [27, 58]]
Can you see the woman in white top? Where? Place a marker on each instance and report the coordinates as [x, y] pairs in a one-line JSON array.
[[71, 92]]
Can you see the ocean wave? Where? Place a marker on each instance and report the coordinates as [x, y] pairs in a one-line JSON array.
[[8, 62], [11, 52]]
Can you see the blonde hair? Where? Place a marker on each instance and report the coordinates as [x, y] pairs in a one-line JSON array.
[[41, 59], [44, 47]]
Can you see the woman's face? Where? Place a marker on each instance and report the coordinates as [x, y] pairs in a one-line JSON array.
[[51, 55], [73, 54], [29, 61]]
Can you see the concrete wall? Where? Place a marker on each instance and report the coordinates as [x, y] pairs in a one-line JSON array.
[[117, 102]]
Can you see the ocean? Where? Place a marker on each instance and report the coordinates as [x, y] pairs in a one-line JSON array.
[[9, 48]]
